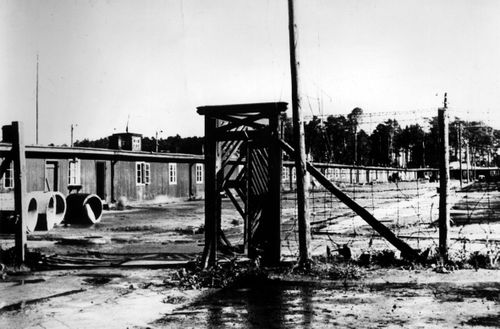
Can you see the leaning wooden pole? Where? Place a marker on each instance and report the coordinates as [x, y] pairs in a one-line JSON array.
[[444, 176], [20, 203], [299, 143]]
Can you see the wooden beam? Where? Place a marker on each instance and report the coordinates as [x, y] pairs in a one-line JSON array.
[[275, 107], [235, 202], [209, 257], [20, 193], [406, 250]]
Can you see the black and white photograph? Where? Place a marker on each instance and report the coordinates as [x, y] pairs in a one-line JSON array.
[[249, 164]]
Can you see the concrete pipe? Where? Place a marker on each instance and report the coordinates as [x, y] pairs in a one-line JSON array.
[[83, 209], [8, 219], [51, 209]]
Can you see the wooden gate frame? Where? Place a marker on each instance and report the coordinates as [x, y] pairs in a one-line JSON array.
[[227, 129]]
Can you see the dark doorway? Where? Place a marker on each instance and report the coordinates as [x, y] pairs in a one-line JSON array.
[[101, 179], [51, 176]]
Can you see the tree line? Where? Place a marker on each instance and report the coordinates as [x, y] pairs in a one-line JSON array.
[[339, 139]]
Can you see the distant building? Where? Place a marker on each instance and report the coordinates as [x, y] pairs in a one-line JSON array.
[[126, 141], [111, 174]]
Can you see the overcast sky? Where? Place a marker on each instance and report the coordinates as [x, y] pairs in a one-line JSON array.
[[157, 60]]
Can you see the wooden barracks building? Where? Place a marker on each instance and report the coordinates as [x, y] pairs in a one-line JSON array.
[[123, 171]]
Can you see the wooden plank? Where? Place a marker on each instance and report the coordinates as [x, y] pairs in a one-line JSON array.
[[231, 171], [228, 153], [258, 183], [272, 107]]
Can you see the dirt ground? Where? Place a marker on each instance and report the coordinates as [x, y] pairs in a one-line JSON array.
[[385, 298], [116, 274]]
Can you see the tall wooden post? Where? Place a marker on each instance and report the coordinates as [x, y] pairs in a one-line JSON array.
[[211, 194], [444, 172], [299, 143], [20, 204]]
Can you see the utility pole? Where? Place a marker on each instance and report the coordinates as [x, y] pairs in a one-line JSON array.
[[444, 175], [460, 150], [36, 103], [299, 143]]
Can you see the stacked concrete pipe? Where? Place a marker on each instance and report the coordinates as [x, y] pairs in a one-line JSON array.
[[83, 209], [51, 209], [9, 220]]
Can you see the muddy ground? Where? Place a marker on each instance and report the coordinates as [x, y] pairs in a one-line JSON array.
[[117, 274]]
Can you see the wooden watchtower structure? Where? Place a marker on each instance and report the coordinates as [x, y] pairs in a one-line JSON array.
[[243, 160]]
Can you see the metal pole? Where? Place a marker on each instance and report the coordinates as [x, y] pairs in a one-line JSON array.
[[444, 172], [36, 102], [299, 143]]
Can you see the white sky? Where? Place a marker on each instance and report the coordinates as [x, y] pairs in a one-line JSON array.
[[157, 60]]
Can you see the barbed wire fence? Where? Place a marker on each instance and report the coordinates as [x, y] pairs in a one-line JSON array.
[[408, 205]]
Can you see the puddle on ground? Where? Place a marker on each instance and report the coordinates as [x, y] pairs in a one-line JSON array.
[[277, 305], [97, 280]]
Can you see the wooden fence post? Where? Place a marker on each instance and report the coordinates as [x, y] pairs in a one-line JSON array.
[[21, 210], [444, 176]]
